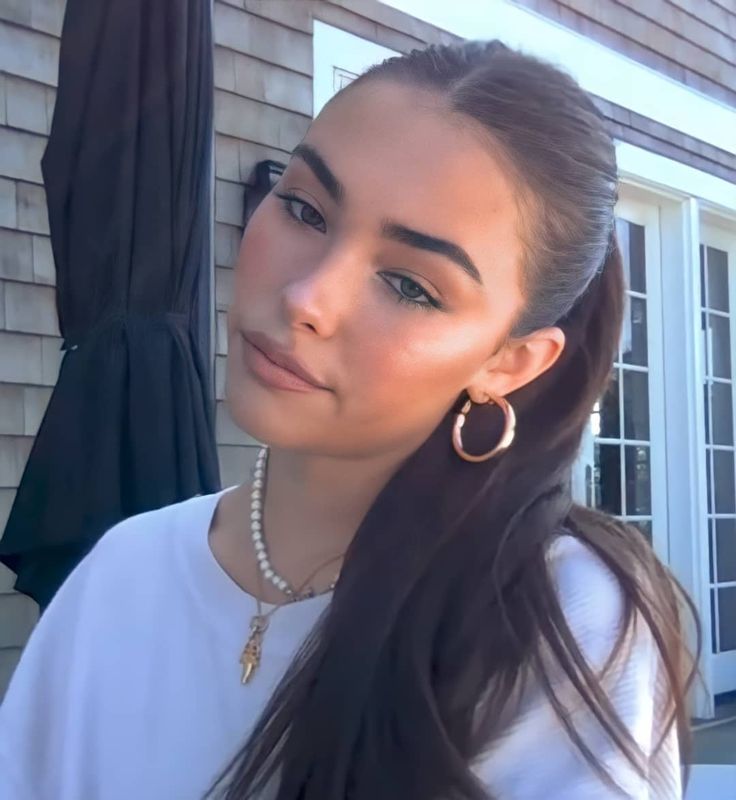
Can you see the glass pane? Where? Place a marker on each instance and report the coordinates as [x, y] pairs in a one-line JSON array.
[[622, 234], [637, 258], [722, 413], [717, 279], [702, 277], [634, 344], [726, 549], [610, 426], [720, 342], [725, 501], [645, 526], [713, 631], [711, 550], [608, 478], [727, 619], [636, 405], [638, 494], [704, 349], [706, 410], [709, 480]]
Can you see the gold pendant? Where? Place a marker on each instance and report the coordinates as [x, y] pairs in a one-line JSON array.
[[250, 658]]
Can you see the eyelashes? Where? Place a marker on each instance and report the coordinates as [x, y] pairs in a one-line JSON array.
[[407, 292], [286, 204]]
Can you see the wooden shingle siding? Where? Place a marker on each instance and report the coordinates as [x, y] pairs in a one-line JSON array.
[[29, 334], [720, 41], [693, 42], [242, 32], [289, 14], [387, 22], [628, 126], [719, 16]]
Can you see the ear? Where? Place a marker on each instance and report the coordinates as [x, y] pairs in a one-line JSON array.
[[517, 363]]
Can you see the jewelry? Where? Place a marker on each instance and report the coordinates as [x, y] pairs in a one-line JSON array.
[[256, 531], [250, 658], [507, 437]]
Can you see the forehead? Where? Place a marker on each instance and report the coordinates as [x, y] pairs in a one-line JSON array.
[[400, 153]]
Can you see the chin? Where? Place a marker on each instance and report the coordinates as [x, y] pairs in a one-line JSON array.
[[261, 416]]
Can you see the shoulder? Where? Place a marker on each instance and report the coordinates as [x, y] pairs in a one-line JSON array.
[[594, 606], [119, 582], [582, 578], [130, 555], [151, 533], [591, 597]]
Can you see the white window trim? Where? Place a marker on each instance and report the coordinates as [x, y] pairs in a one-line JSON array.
[[335, 52], [640, 167]]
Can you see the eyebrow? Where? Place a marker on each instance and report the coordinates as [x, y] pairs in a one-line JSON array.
[[389, 228]]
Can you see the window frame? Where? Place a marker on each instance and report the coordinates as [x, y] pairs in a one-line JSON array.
[[723, 664]]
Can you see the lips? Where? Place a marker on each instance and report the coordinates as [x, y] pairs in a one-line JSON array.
[[282, 358]]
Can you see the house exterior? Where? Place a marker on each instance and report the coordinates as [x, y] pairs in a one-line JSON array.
[[661, 446]]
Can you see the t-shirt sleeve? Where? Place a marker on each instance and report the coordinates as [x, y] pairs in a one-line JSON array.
[[37, 712], [536, 759]]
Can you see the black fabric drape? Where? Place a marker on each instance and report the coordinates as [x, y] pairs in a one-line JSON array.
[[129, 426]]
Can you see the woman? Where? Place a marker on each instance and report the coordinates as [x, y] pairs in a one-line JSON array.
[[440, 248]]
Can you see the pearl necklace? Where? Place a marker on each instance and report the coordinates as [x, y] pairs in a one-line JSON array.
[[250, 658], [256, 532]]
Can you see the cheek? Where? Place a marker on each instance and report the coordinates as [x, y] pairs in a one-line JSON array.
[[423, 358], [264, 246]]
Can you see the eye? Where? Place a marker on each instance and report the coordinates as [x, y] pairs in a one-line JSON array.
[[307, 216], [409, 291], [404, 289]]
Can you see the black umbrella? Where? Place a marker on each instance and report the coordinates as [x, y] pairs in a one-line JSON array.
[[127, 174]]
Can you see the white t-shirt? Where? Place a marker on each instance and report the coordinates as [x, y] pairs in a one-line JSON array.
[[129, 687]]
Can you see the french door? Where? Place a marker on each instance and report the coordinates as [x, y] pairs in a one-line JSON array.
[[622, 468], [718, 342]]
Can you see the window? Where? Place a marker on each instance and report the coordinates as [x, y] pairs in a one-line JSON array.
[[622, 465], [623, 452], [718, 336]]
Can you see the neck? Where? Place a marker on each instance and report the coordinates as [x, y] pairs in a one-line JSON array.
[[313, 506], [321, 500]]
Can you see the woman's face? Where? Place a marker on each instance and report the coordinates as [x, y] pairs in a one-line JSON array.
[[387, 262]]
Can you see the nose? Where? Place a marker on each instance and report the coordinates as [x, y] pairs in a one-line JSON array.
[[319, 298]]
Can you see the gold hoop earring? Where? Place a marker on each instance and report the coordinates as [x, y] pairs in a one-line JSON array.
[[507, 437]]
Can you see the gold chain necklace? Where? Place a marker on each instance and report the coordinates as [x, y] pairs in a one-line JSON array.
[[250, 658]]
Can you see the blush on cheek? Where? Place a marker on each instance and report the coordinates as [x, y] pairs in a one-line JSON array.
[[409, 366], [254, 249], [260, 265]]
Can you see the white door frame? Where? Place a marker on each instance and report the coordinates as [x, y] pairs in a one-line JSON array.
[[645, 214], [723, 665], [684, 411]]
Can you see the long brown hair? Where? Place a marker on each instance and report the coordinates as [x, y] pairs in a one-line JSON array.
[[384, 698]]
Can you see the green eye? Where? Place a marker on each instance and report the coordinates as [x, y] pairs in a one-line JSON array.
[[301, 218], [410, 292]]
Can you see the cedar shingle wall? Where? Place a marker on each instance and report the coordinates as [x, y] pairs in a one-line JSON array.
[[29, 334], [692, 41]]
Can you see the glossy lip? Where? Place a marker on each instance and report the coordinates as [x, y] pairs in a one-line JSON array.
[[282, 359]]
